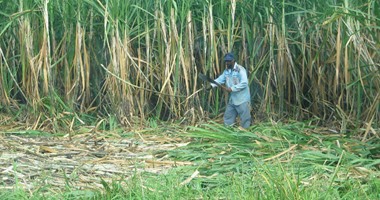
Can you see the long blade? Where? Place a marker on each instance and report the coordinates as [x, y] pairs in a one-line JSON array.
[[206, 78]]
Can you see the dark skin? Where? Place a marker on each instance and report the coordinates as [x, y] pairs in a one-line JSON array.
[[230, 64]]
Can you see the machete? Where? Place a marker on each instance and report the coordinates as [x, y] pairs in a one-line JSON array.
[[206, 78]]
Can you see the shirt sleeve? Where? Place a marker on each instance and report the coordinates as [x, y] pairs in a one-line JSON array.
[[221, 79]]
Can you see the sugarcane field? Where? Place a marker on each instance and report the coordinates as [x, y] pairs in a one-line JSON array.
[[190, 99]]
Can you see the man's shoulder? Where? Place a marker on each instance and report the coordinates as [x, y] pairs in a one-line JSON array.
[[240, 67]]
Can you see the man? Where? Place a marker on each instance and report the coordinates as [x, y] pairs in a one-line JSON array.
[[236, 81]]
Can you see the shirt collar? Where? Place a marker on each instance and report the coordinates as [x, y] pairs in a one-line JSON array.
[[235, 69]]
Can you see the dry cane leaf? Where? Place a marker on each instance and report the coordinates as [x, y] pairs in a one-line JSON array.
[[195, 174], [171, 163], [282, 153], [46, 149]]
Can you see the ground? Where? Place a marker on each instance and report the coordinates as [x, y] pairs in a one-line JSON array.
[[82, 161]]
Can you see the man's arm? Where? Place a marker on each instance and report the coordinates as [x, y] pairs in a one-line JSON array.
[[221, 80]]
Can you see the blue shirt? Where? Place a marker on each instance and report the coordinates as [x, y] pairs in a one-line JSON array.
[[237, 80]]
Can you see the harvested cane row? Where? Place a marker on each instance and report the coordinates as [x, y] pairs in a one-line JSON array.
[[82, 161]]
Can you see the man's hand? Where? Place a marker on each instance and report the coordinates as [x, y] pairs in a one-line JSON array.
[[227, 89]]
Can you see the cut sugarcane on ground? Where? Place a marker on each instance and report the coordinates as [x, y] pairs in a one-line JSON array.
[[293, 156], [33, 161]]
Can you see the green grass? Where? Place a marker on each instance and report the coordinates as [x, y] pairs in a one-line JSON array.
[[262, 181], [258, 163]]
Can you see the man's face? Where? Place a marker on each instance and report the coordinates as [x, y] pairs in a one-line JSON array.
[[230, 64]]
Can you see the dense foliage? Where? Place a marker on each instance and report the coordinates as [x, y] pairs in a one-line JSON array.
[[62, 60]]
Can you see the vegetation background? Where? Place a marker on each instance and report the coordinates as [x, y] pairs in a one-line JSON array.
[[65, 62]]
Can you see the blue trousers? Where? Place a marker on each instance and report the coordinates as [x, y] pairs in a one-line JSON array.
[[244, 112]]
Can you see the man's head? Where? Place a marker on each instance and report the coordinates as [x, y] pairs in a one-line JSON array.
[[229, 60]]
